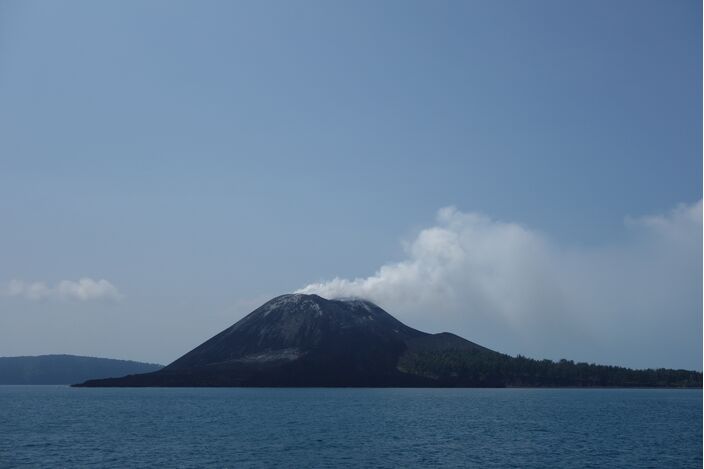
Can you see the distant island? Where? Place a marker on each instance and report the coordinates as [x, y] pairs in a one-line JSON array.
[[66, 369], [306, 340]]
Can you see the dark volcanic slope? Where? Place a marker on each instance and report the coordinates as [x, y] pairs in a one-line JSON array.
[[296, 340], [291, 327], [306, 340]]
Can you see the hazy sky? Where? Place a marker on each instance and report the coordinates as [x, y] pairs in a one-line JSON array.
[[525, 174]]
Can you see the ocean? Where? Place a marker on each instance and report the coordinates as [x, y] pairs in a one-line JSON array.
[[59, 426]]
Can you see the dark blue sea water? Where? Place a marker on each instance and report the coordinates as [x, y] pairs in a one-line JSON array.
[[54, 426]]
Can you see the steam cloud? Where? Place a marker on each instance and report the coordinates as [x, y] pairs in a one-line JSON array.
[[512, 288]]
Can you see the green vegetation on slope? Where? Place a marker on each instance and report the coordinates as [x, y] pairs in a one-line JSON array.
[[487, 368]]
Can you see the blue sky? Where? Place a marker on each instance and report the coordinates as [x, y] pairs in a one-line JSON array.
[[204, 156]]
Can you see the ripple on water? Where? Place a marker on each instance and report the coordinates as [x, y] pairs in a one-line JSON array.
[[54, 426]]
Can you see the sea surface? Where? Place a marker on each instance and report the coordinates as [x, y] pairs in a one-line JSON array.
[[58, 426]]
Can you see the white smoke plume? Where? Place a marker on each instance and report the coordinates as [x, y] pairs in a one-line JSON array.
[[637, 302]]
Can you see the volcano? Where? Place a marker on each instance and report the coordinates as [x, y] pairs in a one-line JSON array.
[[306, 340]]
